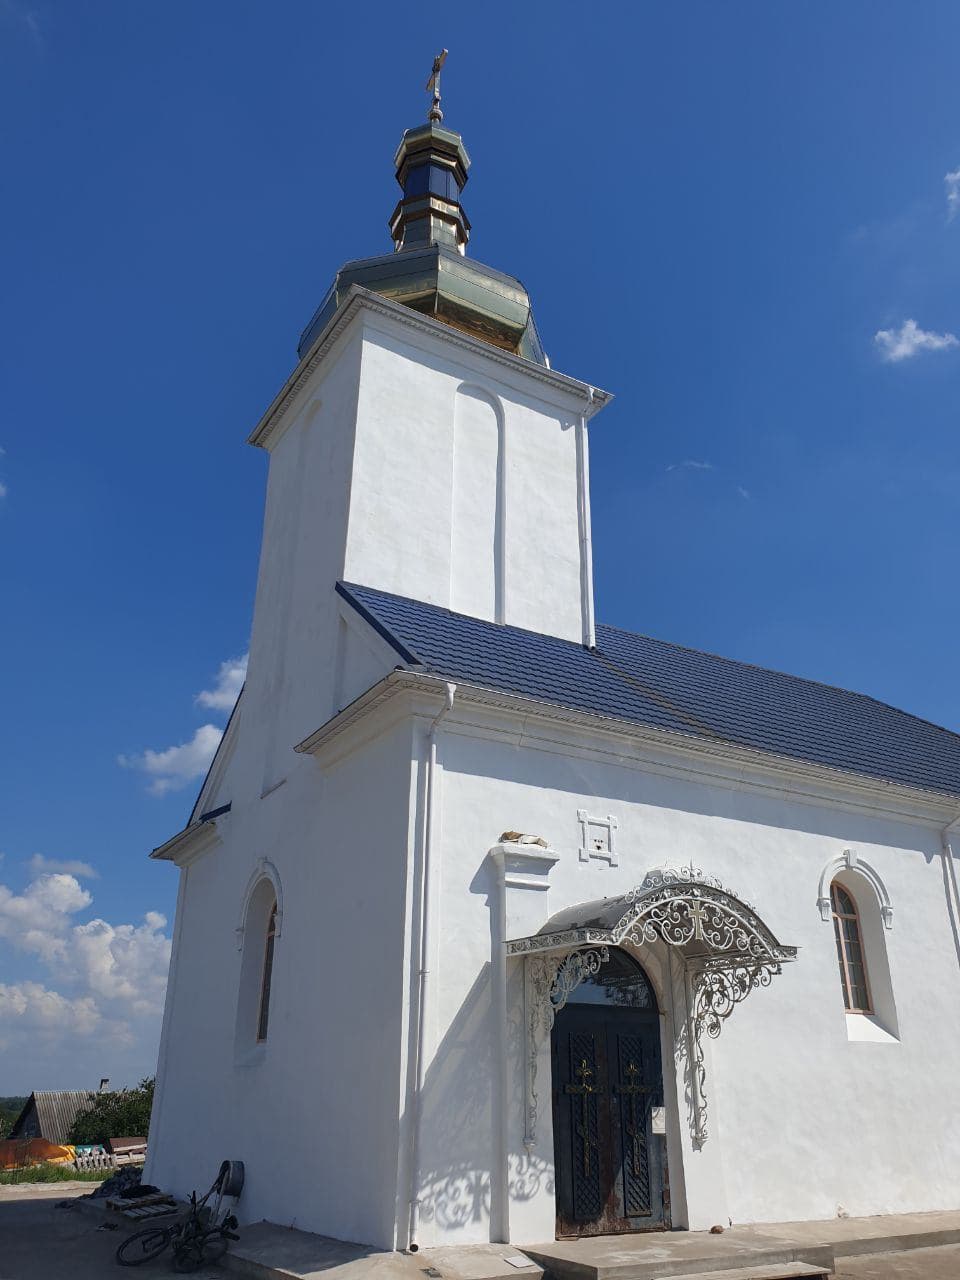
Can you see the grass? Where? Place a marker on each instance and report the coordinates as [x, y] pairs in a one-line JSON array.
[[52, 1173]]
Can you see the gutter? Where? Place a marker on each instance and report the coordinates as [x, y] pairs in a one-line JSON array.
[[425, 985]]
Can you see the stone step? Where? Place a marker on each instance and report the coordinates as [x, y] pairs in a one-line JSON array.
[[680, 1256], [897, 1241], [771, 1271]]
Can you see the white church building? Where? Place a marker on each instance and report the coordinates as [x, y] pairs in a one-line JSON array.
[[496, 923]]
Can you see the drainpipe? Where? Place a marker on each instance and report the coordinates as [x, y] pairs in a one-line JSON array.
[[586, 548], [430, 823], [946, 852]]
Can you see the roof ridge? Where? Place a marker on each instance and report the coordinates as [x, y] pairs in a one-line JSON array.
[[787, 675]]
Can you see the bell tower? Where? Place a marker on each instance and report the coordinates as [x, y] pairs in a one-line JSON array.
[[422, 446]]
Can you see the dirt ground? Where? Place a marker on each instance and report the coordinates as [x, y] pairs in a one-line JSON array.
[[39, 1241]]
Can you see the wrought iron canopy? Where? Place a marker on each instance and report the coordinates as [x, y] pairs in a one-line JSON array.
[[682, 908], [727, 952]]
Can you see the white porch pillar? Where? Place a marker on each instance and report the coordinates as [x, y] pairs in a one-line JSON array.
[[523, 877], [523, 870]]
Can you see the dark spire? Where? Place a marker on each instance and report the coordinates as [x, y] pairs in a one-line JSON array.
[[432, 165], [428, 270]]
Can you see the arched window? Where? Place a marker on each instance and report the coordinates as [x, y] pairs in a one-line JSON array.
[[264, 1014], [853, 970], [259, 932]]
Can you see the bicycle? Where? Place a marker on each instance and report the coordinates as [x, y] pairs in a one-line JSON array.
[[199, 1239]]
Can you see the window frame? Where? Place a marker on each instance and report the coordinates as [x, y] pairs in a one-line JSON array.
[[266, 976], [847, 985]]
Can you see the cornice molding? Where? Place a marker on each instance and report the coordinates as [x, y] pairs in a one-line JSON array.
[[189, 844], [382, 692], [359, 299], [724, 762]]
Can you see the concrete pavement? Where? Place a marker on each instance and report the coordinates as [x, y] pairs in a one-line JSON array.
[[914, 1264], [38, 1241]]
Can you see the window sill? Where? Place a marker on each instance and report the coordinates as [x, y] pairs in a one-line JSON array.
[[865, 1028]]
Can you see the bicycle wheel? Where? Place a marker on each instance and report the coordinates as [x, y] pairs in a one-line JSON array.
[[143, 1245], [189, 1257], [214, 1247], [197, 1253]]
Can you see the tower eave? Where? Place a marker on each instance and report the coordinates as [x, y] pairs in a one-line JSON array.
[[583, 398], [440, 282]]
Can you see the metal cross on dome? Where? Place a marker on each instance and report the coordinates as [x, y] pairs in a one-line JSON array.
[[433, 85]]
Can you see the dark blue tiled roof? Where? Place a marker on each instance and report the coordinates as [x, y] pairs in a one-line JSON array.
[[650, 682]]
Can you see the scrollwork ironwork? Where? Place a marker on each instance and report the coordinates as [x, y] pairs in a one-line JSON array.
[[571, 971], [677, 907], [549, 981], [717, 988], [670, 876]]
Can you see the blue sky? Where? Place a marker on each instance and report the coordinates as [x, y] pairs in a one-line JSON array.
[[716, 208]]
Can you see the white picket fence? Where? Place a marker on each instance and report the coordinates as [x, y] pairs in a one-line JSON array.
[[99, 1160]]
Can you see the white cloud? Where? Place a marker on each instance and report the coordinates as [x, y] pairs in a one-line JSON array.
[[126, 963], [744, 493], [29, 1008], [38, 919], [905, 342], [109, 978], [177, 766], [38, 864], [3, 490], [952, 183], [691, 464], [225, 692]]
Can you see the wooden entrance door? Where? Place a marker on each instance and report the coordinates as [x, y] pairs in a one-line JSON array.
[[607, 1079]]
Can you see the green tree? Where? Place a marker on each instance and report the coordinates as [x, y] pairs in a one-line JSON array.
[[10, 1108], [121, 1114]]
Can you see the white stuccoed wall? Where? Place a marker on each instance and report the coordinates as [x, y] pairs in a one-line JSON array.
[[464, 466], [316, 1116], [802, 1120]]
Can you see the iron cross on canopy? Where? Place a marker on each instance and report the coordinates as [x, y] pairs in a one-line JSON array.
[[698, 915], [433, 85]]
